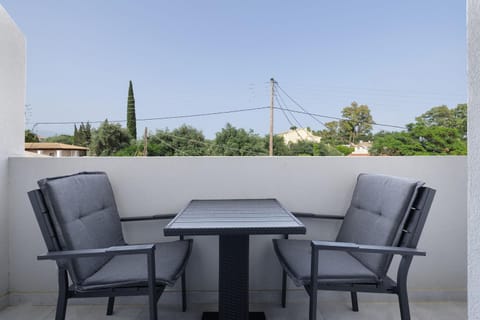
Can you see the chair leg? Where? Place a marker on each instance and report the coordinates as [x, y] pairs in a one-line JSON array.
[[284, 289], [313, 304], [313, 284], [152, 306], [152, 296], [402, 287], [403, 302], [353, 295], [111, 302], [184, 285], [184, 292], [62, 295]]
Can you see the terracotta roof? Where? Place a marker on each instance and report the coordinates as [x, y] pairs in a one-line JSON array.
[[51, 146]]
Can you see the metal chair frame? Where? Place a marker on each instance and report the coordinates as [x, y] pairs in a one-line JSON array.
[[410, 236], [64, 257]]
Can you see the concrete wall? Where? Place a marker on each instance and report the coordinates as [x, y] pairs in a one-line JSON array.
[[145, 186], [473, 26], [12, 101]]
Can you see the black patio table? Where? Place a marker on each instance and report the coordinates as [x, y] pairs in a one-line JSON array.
[[233, 221]]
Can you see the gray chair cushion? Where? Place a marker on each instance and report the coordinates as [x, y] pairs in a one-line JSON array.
[[83, 210], [131, 270], [333, 266], [376, 214]]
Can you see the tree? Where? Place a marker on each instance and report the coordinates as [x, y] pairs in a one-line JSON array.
[[83, 135], [309, 148], [162, 140], [331, 133], [30, 136], [439, 139], [436, 116], [136, 149], [131, 118], [62, 138], [301, 148], [357, 124], [109, 138], [182, 141], [460, 115], [345, 150], [442, 116], [189, 141], [396, 144], [279, 146], [440, 131], [231, 141], [75, 135], [322, 149]]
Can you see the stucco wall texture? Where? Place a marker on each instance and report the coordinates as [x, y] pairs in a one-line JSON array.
[[12, 101], [473, 36]]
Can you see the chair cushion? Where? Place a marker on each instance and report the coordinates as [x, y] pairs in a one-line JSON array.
[[83, 211], [337, 266], [132, 270], [376, 215]]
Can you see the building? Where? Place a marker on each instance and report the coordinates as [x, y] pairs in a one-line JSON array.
[[361, 149], [295, 135], [56, 149]]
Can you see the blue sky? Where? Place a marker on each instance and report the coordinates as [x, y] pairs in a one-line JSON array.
[[188, 57]]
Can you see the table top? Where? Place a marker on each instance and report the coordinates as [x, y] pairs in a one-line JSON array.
[[231, 217]]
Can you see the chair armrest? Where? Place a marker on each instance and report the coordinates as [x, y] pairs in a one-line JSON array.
[[144, 218], [111, 251], [317, 216], [353, 247], [154, 217]]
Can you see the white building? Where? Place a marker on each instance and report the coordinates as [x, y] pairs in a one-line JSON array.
[[299, 134], [56, 149], [361, 149]]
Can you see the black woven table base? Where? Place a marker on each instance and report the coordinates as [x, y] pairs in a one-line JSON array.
[[251, 316]]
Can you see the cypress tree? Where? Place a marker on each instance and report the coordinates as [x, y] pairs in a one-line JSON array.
[[87, 133], [131, 119], [75, 135]]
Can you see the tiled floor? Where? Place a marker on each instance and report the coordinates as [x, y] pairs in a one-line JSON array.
[[295, 311]]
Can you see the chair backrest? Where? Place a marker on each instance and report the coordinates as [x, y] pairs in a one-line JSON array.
[[415, 221], [78, 212], [378, 211]]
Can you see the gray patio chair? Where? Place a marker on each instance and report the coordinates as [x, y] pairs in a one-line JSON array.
[[385, 218], [80, 224]]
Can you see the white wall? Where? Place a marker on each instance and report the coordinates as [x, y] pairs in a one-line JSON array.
[[145, 186], [473, 26], [12, 101]]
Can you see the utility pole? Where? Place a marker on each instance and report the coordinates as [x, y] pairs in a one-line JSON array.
[[145, 136], [270, 148]]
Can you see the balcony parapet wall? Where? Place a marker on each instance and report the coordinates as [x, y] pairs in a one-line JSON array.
[[323, 185], [12, 103]]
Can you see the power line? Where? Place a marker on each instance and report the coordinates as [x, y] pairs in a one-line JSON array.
[[209, 145], [388, 92], [155, 118], [176, 149], [289, 121], [313, 115], [285, 113], [291, 114], [298, 104], [344, 119]]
